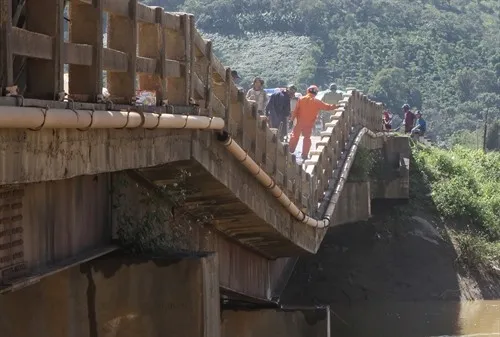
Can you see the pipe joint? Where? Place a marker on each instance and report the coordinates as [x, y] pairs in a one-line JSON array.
[[223, 136], [44, 113]]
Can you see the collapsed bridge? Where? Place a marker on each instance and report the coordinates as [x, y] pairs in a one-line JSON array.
[[62, 155]]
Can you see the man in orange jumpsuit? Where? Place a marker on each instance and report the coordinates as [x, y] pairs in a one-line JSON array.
[[306, 111]]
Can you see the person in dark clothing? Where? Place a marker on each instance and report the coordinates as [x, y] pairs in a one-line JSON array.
[[408, 119], [278, 109], [420, 126], [236, 78]]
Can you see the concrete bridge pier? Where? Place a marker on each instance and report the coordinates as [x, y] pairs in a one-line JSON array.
[[119, 297]]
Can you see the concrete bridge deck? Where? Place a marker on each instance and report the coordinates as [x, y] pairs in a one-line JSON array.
[[62, 154]]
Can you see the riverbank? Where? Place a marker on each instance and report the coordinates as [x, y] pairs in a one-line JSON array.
[[412, 252]]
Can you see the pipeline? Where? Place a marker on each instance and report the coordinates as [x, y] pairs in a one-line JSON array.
[[35, 118], [270, 184]]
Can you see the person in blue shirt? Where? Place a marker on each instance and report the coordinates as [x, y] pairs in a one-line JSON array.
[[278, 109], [420, 125]]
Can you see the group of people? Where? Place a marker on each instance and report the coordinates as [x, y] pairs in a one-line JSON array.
[[281, 109], [278, 109], [414, 123]]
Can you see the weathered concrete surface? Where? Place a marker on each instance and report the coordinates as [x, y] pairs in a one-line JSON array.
[[242, 271], [118, 298], [47, 222], [393, 181], [354, 203], [277, 221], [32, 156], [270, 323]]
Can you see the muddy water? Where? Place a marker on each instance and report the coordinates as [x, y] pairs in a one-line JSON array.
[[417, 319]]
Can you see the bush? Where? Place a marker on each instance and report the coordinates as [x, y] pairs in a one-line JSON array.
[[465, 185], [363, 165], [159, 223], [475, 251]]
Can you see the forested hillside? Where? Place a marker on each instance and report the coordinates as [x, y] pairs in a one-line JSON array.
[[442, 56]]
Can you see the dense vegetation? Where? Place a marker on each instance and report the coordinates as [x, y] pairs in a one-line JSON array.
[[442, 56], [464, 185]]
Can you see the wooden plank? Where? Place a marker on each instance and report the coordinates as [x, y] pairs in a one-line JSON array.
[[58, 62], [115, 60], [250, 130], [192, 54], [199, 42], [78, 54], [260, 138], [227, 97], [208, 93], [186, 20], [234, 89], [291, 176], [270, 152], [149, 61], [173, 68], [145, 65], [30, 44], [188, 26], [152, 53], [172, 22], [241, 115], [6, 65], [219, 72], [305, 187], [162, 61], [45, 78], [86, 28], [116, 7], [146, 14], [199, 88], [218, 109], [175, 65], [281, 156], [122, 36]]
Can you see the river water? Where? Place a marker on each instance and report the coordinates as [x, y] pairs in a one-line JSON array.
[[417, 319]]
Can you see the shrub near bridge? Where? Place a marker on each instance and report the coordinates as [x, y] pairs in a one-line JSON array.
[[465, 188]]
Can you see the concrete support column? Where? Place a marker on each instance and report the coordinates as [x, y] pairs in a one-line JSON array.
[[121, 297]]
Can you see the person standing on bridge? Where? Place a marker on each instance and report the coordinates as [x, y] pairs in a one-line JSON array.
[[306, 111], [421, 126], [257, 94], [278, 109], [408, 119], [236, 79], [331, 96]]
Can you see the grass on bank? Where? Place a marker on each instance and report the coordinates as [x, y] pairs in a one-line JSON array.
[[465, 187]]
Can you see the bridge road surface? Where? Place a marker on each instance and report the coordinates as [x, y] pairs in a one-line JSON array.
[[298, 150]]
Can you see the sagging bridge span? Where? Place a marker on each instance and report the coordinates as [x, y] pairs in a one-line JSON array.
[[62, 153]]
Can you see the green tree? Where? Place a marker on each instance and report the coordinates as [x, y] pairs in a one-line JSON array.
[[466, 84], [493, 138], [390, 86]]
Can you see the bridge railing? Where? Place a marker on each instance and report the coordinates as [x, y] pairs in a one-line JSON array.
[[149, 49]]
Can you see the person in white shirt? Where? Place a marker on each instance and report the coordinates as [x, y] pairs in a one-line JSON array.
[[257, 94]]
